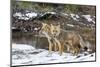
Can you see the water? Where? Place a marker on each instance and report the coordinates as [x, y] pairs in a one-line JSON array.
[[31, 39]]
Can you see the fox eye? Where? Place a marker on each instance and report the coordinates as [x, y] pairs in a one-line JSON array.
[[53, 31], [67, 43]]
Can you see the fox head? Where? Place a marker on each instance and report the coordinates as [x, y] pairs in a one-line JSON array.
[[45, 28], [44, 25], [55, 30]]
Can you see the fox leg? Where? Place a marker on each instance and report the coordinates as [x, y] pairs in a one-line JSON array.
[[49, 40], [50, 46], [77, 51], [62, 47], [72, 49], [59, 46], [55, 46]]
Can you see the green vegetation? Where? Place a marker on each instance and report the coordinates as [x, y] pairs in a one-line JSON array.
[[44, 7], [71, 8]]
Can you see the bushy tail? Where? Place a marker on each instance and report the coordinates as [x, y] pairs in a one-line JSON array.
[[86, 46], [83, 44]]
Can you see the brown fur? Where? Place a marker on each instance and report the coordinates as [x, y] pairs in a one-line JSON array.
[[59, 38]]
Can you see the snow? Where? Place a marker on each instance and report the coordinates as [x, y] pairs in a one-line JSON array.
[[22, 46], [70, 25], [51, 12], [32, 14], [24, 54], [47, 13], [75, 17], [35, 28], [13, 27], [26, 16], [17, 14], [88, 17], [65, 14]]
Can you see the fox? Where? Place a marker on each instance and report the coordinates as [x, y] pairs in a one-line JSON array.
[[47, 31], [70, 39], [59, 39]]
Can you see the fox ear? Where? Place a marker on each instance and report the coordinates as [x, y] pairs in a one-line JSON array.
[[51, 25], [44, 24]]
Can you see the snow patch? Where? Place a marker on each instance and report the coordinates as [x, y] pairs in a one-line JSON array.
[[13, 27], [70, 25], [26, 16], [22, 46], [51, 12], [17, 14], [89, 19], [65, 14], [32, 14], [75, 17], [23, 54]]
